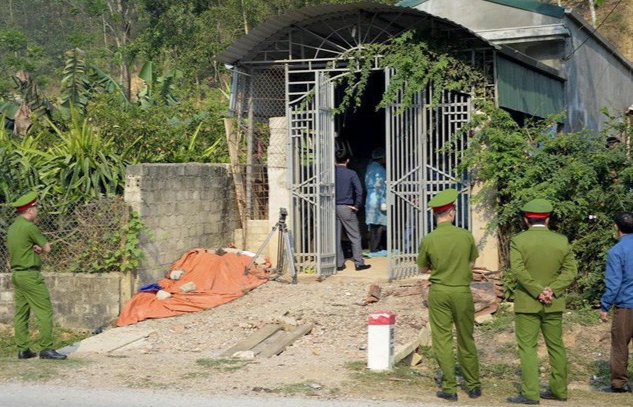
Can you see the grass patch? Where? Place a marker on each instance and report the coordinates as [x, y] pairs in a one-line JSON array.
[[222, 365], [196, 375], [585, 316], [400, 375], [503, 321], [507, 348], [61, 337], [498, 371]]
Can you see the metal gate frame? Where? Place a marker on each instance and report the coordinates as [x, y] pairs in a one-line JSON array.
[[311, 168], [420, 164]]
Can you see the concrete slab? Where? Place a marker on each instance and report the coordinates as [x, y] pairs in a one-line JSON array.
[[113, 339], [377, 274]]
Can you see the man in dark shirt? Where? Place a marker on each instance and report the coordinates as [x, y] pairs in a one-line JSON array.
[[349, 196]]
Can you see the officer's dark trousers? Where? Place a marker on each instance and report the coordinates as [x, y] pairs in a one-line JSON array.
[[621, 336]]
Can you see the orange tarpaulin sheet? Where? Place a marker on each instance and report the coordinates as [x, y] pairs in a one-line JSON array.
[[218, 279]]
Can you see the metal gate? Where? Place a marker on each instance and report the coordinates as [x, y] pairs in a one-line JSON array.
[[311, 170], [420, 164]]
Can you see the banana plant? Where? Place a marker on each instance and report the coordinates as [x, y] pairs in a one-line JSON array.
[[158, 89], [76, 87]]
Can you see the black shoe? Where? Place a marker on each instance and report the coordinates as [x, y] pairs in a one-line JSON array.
[[625, 389], [447, 396], [26, 354], [340, 268], [474, 393], [363, 267], [51, 354], [521, 399], [547, 395]]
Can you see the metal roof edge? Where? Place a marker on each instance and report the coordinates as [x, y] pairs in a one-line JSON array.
[[410, 3], [251, 40], [535, 6], [577, 18], [531, 62], [528, 5]]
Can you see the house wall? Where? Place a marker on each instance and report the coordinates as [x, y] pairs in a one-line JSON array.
[[487, 239], [596, 80]]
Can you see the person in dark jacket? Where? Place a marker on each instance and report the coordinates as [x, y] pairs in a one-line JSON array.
[[349, 197]]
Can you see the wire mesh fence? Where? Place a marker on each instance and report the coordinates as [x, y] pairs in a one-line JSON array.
[[88, 238]]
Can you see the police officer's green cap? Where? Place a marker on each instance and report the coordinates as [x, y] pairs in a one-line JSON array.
[[537, 208], [25, 201], [443, 200]]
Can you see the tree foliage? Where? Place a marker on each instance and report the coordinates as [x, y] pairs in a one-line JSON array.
[[587, 178], [416, 62]]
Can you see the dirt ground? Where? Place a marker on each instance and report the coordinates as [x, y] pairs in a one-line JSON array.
[[182, 352], [182, 347]]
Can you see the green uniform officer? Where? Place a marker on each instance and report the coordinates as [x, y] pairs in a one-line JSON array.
[[449, 253], [26, 244], [544, 266]]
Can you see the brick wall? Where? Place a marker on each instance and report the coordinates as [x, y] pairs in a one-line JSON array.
[[184, 206]]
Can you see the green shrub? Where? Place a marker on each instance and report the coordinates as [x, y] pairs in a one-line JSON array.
[[588, 181]]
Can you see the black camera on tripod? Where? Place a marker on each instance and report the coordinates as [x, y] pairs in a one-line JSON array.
[[282, 215]]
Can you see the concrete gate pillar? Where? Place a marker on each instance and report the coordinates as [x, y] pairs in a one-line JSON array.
[[278, 191]]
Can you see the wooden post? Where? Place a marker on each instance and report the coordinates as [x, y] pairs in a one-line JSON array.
[[233, 139]]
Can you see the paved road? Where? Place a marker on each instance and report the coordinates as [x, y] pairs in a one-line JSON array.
[[35, 395]]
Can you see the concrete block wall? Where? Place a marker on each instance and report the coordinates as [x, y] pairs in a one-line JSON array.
[[80, 301], [256, 235], [183, 206]]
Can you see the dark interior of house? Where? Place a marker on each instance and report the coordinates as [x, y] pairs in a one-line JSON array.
[[361, 129]]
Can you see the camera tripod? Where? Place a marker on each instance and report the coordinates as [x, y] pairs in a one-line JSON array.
[[284, 247]]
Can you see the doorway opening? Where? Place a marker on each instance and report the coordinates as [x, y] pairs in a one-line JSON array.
[[361, 130]]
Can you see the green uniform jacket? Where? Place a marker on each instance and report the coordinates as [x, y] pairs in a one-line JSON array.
[[541, 258], [21, 236], [448, 252]]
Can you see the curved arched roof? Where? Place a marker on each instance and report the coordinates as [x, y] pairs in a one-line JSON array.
[[321, 32]]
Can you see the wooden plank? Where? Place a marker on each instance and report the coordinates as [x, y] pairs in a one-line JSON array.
[[251, 341], [233, 139], [277, 336], [423, 339], [405, 350], [279, 346]]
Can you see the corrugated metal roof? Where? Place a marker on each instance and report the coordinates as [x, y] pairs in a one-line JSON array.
[[315, 18]]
